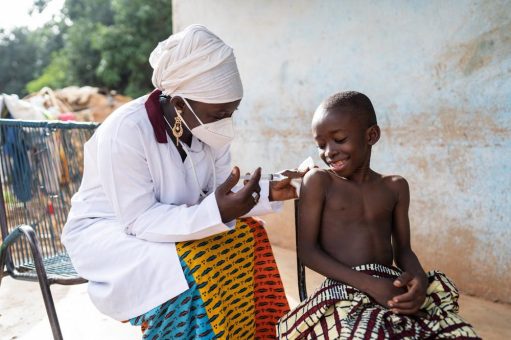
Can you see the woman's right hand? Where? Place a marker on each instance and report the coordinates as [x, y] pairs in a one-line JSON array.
[[235, 204], [383, 290]]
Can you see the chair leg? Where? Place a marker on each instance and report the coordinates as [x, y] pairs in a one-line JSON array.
[[300, 268], [3, 255], [43, 281], [8, 240], [302, 289]]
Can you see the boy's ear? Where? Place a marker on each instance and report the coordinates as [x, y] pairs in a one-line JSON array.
[[373, 134]]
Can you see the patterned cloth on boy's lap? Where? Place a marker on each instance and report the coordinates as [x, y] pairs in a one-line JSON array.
[[339, 311], [235, 290]]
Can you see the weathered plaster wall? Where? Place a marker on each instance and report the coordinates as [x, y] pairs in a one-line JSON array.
[[439, 76]]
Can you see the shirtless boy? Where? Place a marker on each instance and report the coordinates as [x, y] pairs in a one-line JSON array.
[[354, 229]]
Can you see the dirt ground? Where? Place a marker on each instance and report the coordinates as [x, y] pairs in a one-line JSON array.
[[22, 314]]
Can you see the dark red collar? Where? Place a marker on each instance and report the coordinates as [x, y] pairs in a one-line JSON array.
[[155, 114]]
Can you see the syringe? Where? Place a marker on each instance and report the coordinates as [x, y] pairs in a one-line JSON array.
[[266, 177]]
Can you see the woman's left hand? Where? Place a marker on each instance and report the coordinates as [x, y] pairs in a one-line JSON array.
[[283, 190]]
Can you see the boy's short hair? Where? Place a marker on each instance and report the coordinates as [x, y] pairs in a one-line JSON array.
[[356, 100]]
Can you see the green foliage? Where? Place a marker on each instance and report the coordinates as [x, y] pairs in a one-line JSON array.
[[16, 66], [54, 75], [94, 11], [25, 53], [40, 5], [83, 58], [126, 45], [95, 42]]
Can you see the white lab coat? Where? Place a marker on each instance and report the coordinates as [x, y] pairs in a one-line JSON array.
[[137, 198]]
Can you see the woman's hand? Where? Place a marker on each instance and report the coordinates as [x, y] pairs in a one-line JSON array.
[[235, 204], [283, 190], [411, 301]]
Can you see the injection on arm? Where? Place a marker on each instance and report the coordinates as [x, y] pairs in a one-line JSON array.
[[307, 163], [267, 177]]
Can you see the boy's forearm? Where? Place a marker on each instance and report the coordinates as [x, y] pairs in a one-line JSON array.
[[326, 265], [408, 262]]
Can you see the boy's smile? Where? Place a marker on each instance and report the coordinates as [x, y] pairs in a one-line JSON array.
[[338, 165]]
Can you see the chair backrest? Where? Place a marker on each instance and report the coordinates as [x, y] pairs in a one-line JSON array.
[[41, 167]]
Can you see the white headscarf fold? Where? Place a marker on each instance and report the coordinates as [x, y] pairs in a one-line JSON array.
[[198, 65]]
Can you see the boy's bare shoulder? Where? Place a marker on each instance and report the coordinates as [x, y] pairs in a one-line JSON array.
[[394, 179], [396, 183], [316, 177], [317, 174]]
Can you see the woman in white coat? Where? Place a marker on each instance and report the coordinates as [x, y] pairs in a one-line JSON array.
[[156, 226]]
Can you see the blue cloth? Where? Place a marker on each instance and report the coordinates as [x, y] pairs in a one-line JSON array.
[[21, 171], [182, 317]]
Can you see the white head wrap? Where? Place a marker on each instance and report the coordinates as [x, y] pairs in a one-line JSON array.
[[198, 65]]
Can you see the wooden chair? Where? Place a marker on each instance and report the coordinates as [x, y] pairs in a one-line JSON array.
[[41, 166]]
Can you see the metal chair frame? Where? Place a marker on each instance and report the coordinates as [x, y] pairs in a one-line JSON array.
[[49, 264], [300, 267]]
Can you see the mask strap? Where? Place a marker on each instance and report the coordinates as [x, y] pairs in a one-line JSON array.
[[188, 104], [208, 151]]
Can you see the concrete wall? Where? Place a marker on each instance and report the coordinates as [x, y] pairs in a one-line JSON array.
[[439, 76]]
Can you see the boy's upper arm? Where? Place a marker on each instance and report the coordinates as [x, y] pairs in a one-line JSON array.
[[312, 196], [401, 222]]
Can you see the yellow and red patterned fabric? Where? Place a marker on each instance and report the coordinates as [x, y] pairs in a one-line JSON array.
[[235, 290]]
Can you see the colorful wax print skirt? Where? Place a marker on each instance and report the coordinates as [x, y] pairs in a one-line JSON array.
[[339, 311], [235, 290]]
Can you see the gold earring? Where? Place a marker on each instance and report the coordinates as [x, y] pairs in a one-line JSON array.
[[177, 129]]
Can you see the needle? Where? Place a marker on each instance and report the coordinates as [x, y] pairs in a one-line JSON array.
[[267, 177]]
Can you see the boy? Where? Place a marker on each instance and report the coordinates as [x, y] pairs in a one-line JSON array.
[[353, 227]]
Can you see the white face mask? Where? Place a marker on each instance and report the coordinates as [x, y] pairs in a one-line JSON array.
[[215, 134]]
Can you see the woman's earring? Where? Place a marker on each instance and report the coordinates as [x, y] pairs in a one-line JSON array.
[[177, 129]]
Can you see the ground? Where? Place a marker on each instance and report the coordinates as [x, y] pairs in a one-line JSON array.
[[22, 314]]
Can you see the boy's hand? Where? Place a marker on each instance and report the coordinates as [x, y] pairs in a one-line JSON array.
[[411, 301], [383, 290], [283, 190]]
